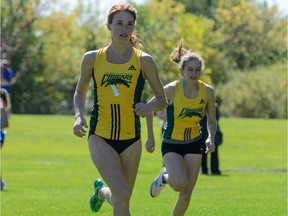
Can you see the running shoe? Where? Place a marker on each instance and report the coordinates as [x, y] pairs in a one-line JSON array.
[[95, 201], [158, 183]]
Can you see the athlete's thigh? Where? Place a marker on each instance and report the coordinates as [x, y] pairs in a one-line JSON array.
[[107, 162], [176, 168], [193, 164], [130, 159]]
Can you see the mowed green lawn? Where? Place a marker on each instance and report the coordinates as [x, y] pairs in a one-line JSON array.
[[48, 171]]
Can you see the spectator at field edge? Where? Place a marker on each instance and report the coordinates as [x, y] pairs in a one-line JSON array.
[[5, 107], [6, 75], [214, 158]]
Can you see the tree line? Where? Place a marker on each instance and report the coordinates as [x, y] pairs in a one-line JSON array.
[[244, 43]]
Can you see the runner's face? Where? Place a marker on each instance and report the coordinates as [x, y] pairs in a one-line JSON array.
[[122, 26], [192, 70]]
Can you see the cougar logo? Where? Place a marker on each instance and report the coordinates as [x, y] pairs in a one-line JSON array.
[[186, 112], [114, 79]]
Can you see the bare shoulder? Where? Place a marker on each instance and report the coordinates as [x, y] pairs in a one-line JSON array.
[[170, 86], [209, 89], [148, 66], [170, 90], [90, 56], [146, 58]]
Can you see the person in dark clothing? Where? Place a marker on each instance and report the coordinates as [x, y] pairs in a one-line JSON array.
[[214, 160], [6, 75]]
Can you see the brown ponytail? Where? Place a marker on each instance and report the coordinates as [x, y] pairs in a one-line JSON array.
[[180, 55]]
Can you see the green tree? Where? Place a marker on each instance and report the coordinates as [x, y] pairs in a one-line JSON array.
[[199, 36], [156, 25], [63, 47], [253, 34], [46, 43], [199, 7], [261, 93], [23, 48], [44, 47], [93, 24], [206, 8]]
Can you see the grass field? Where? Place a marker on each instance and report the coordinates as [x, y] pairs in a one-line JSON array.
[[48, 171]]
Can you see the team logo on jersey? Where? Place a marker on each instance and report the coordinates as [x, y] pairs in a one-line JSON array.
[[114, 79], [189, 113], [202, 101], [132, 68]]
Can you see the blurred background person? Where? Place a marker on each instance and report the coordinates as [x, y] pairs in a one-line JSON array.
[[6, 75], [214, 159], [5, 106]]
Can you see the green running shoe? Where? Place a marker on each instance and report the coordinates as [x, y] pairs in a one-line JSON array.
[[95, 201]]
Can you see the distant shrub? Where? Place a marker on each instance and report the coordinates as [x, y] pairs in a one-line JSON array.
[[261, 93]]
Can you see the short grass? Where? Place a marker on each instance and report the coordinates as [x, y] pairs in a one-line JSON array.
[[48, 171]]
